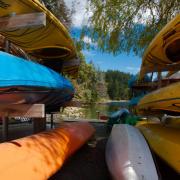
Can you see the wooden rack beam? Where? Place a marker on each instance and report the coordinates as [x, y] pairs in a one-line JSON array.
[[23, 110], [22, 21]]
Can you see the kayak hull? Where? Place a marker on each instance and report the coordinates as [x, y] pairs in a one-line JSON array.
[[26, 82], [39, 156], [45, 42], [163, 52], [163, 100], [164, 141], [128, 155]]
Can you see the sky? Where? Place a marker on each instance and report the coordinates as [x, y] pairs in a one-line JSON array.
[[122, 62]]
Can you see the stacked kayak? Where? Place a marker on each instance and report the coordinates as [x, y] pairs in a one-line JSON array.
[[163, 52], [39, 156], [128, 155], [45, 42], [26, 82], [164, 141], [165, 100], [69, 67]]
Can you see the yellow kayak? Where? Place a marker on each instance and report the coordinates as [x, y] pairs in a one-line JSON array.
[[69, 67], [166, 99], [164, 141], [163, 51], [45, 42]]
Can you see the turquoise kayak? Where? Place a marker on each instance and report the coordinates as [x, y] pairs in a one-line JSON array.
[[26, 82]]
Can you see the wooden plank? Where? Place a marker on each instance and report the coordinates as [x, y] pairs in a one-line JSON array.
[[23, 110], [22, 21]]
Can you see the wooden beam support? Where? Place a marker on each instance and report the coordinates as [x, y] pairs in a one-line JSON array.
[[22, 21], [39, 125], [5, 120], [23, 110], [7, 45], [52, 121]]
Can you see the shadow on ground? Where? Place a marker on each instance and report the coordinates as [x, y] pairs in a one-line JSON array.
[[89, 162]]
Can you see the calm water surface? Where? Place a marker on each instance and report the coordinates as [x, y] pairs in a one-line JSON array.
[[91, 111]]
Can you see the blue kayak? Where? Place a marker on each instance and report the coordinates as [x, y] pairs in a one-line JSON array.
[[26, 82]]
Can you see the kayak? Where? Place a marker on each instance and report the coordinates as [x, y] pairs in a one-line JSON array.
[[165, 100], [39, 156], [118, 117], [45, 42], [69, 67], [163, 52], [164, 141], [128, 155], [26, 82]]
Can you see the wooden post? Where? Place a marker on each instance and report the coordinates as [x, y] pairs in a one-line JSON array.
[[52, 121], [7, 45], [39, 124], [159, 79], [98, 114], [5, 120]]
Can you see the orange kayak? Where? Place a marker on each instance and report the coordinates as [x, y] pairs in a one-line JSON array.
[[39, 156]]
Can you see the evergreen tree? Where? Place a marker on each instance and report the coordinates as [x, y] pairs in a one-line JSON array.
[[117, 84], [60, 10]]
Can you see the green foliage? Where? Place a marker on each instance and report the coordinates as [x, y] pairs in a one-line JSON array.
[[117, 85], [128, 25], [89, 85]]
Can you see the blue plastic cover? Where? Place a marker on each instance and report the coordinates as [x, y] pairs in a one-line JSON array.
[[15, 71]]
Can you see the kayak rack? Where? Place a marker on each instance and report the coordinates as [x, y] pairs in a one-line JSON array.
[[34, 111]]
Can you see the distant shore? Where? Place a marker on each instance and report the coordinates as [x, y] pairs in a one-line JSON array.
[[113, 101]]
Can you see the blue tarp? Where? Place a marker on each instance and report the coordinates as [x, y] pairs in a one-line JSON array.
[[15, 71]]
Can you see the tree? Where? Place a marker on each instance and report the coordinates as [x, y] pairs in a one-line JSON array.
[[60, 10], [117, 84], [86, 83], [128, 25]]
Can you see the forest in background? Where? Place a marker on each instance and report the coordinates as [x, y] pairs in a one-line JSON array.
[[94, 85]]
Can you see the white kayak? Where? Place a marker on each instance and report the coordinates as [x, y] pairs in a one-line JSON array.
[[128, 156]]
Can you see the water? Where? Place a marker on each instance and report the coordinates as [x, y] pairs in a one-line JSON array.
[[91, 111]]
